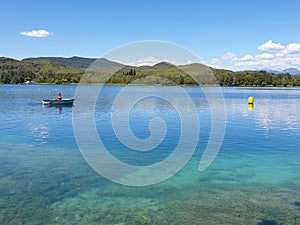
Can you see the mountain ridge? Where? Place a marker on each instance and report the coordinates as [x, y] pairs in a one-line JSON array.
[[62, 70], [291, 70], [77, 62]]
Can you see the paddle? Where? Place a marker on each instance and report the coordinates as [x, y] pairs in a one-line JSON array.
[[54, 100]]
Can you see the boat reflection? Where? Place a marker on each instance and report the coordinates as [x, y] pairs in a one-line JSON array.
[[58, 107]]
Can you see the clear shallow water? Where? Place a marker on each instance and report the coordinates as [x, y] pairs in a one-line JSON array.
[[255, 178]]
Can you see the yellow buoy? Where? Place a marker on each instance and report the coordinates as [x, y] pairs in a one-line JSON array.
[[251, 100]]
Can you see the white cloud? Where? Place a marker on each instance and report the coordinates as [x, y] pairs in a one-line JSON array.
[[35, 33], [229, 56], [270, 46], [264, 56], [151, 60], [292, 48], [248, 63], [284, 57], [215, 62], [147, 61], [224, 62], [247, 58]]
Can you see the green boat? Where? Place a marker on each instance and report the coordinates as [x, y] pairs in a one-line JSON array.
[[64, 101]]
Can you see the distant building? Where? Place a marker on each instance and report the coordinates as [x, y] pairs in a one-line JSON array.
[[30, 82]]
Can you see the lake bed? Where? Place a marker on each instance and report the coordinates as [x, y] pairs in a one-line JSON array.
[[255, 178]]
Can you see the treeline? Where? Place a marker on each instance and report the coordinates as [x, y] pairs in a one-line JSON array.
[[42, 71], [255, 78], [16, 72], [161, 74]]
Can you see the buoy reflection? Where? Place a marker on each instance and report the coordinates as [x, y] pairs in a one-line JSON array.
[[250, 106]]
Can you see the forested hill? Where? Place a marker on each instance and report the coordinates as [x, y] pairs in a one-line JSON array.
[[255, 78], [180, 75], [78, 62], [13, 71], [66, 70]]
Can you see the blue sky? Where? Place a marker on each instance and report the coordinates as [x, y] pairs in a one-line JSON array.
[[231, 34]]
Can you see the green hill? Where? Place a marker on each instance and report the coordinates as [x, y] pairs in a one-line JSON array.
[[165, 73], [162, 65], [78, 62], [13, 71], [59, 70]]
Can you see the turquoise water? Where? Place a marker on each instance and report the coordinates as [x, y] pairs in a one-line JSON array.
[[255, 178]]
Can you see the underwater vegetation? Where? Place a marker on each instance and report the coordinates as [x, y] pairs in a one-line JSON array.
[[267, 222], [297, 204]]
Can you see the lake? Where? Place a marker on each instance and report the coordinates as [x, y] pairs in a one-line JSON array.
[[44, 178]]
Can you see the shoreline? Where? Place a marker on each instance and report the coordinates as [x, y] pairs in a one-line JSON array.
[[154, 85]]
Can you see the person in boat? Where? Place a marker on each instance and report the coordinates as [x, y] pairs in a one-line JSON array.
[[59, 97]]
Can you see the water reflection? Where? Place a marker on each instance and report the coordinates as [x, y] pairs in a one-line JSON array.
[[278, 114], [39, 131], [58, 107], [269, 113], [250, 107]]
